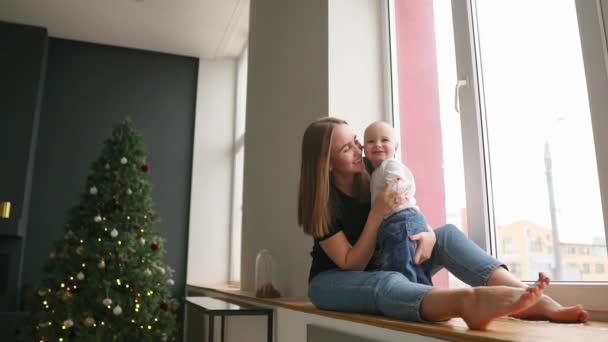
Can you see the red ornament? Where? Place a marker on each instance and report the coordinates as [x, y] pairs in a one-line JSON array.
[[164, 305], [125, 262], [145, 167], [118, 205], [155, 246], [151, 213]]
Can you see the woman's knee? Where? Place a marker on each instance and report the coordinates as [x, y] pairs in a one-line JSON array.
[[388, 281], [448, 230]]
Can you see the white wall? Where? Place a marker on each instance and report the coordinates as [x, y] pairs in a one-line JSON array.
[[287, 89], [291, 326], [357, 77], [208, 237], [306, 60]]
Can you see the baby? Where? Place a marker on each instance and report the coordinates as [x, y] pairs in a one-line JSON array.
[[397, 251]]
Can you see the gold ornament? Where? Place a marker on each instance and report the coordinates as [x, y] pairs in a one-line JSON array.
[[67, 296], [89, 322], [101, 264]]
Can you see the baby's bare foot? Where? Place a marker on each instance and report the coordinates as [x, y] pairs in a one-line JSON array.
[[485, 304]]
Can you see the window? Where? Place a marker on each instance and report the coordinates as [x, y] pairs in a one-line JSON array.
[[599, 268], [494, 120], [515, 269], [237, 176], [507, 244], [586, 268], [535, 244]]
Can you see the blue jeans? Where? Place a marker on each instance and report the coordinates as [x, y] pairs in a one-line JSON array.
[[390, 293], [397, 251]]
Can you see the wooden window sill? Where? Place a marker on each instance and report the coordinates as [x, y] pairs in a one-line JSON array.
[[503, 329]]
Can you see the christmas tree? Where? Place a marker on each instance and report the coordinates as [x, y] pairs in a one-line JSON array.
[[105, 280]]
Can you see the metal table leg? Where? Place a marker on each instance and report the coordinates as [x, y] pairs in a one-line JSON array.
[[211, 324], [269, 326], [222, 328]]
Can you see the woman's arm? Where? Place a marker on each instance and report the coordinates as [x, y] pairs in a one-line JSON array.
[[355, 258]]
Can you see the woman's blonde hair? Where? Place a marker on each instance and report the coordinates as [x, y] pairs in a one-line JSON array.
[[314, 199]]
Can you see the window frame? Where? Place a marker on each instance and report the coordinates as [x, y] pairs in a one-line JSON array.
[[477, 180], [592, 16]]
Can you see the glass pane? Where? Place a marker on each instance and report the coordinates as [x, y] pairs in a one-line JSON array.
[[545, 190], [431, 144]]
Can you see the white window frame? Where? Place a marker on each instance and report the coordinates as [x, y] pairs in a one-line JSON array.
[[238, 152], [592, 16], [478, 188]]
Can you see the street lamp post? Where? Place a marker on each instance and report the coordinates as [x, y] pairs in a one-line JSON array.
[[553, 210]]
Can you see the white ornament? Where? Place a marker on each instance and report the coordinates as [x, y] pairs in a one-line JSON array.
[[107, 166], [162, 270], [123, 160], [42, 292], [80, 276], [97, 218], [107, 302], [79, 250], [117, 310], [142, 241], [129, 191], [114, 233], [170, 282], [68, 323], [147, 272], [163, 337], [52, 255], [101, 264], [93, 190]]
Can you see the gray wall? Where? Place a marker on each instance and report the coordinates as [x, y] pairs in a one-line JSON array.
[[22, 70], [88, 88], [287, 89]]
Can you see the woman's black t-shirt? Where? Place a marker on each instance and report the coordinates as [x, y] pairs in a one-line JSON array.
[[348, 216]]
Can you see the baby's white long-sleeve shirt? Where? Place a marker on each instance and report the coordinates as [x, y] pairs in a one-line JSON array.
[[386, 172]]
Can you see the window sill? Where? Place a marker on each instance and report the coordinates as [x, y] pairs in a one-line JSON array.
[[501, 330]]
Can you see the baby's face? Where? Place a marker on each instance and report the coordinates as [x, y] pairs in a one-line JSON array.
[[379, 143]]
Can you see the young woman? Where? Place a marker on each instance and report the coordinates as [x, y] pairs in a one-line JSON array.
[[334, 208]]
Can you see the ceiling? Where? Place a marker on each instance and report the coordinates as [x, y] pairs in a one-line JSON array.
[[207, 29]]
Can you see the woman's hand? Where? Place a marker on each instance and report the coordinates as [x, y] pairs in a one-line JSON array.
[[389, 199], [426, 242]]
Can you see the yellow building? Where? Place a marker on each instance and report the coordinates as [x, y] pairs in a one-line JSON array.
[[527, 248]]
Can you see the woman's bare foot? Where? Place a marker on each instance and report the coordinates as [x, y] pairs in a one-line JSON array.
[[549, 309], [485, 304]]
